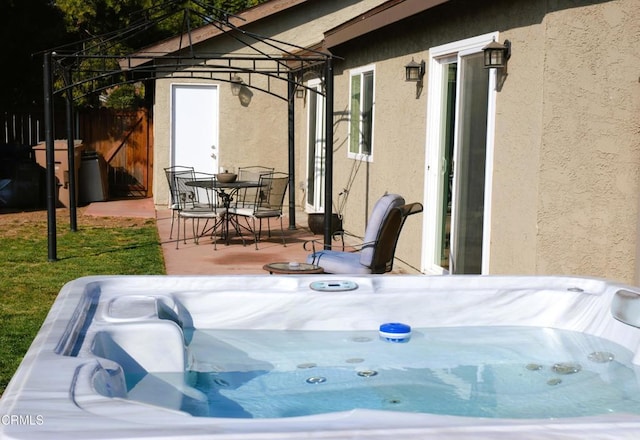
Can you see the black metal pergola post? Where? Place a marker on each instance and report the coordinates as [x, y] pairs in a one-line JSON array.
[[328, 169], [71, 154], [50, 157], [291, 97]]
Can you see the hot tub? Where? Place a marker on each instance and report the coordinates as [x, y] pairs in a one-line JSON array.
[[302, 356]]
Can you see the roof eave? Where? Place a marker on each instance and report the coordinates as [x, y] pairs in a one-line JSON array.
[[176, 44], [385, 14]]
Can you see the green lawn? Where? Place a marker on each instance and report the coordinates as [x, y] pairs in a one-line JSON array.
[[29, 283]]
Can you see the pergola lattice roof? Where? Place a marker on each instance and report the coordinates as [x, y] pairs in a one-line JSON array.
[[95, 65]]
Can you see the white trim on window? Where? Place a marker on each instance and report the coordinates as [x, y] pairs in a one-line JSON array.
[[360, 154]]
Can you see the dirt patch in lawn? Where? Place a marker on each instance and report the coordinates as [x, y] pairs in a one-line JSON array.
[[11, 218]]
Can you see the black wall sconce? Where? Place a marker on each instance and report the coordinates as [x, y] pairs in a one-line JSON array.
[[496, 54], [414, 71]]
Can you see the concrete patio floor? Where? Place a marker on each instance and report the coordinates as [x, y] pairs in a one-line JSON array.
[[202, 259]]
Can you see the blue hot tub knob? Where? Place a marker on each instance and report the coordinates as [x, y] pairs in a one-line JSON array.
[[395, 332]]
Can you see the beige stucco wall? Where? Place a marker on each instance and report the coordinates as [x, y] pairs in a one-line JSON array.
[[567, 135], [590, 145], [565, 184], [567, 150]]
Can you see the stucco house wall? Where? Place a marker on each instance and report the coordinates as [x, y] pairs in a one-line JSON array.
[[590, 145], [566, 152], [567, 140]]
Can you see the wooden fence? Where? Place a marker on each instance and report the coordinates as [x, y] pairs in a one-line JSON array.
[[123, 138]]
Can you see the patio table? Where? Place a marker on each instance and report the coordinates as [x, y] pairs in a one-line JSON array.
[[226, 191], [292, 268]]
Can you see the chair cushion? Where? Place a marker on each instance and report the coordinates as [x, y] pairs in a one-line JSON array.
[[338, 262], [264, 213], [257, 213], [380, 211], [245, 212], [196, 213]]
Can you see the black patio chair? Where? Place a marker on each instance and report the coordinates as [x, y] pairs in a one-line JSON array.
[[246, 197], [191, 207], [268, 203]]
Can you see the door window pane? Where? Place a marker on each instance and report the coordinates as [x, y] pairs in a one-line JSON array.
[[449, 84], [311, 156], [316, 149], [470, 166]]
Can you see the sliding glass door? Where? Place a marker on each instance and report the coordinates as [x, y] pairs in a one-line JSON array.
[[315, 148], [460, 121]]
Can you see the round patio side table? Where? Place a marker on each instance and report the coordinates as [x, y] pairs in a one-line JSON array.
[[292, 268]]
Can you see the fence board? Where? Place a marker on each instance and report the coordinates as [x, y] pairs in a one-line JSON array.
[[21, 128]]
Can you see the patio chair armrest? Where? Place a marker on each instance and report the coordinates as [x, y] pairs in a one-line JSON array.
[[360, 246], [320, 243], [311, 243], [339, 234]]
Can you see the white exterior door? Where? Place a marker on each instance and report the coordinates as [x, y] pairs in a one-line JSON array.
[[194, 126]]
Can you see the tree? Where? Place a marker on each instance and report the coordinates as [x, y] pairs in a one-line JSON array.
[[116, 27], [100, 17], [28, 27]]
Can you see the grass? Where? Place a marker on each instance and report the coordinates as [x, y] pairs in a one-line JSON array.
[[29, 283]]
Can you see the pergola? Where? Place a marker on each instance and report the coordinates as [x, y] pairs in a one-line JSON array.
[[90, 67]]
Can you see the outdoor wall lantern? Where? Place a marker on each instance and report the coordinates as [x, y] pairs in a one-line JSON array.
[[300, 91], [496, 54], [414, 71], [236, 85]]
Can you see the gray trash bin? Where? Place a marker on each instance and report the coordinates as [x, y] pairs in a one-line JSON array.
[[93, 184]]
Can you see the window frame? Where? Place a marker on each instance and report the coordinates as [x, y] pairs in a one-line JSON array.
[[360, 154]]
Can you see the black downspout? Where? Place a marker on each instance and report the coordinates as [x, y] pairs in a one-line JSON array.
[[50, 158], [71, 156], [328, 176], [291, 92]]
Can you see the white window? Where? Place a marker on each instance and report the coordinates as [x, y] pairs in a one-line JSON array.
[[361, 113]]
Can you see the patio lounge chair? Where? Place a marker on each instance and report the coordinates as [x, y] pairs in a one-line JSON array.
[[375, 255], [268, 202]]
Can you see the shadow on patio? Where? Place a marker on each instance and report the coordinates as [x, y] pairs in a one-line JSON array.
[[202, 259], [196, 259]]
